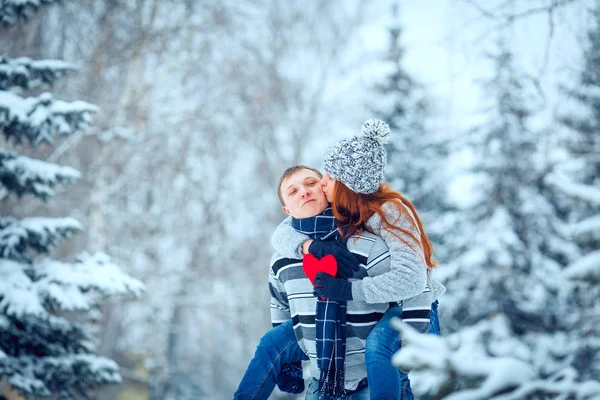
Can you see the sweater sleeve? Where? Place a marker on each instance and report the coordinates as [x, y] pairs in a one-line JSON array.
[[407, 276], [280, 307], [287, 241]]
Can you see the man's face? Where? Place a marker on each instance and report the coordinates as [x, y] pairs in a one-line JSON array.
[[328, 184], [303, 195]]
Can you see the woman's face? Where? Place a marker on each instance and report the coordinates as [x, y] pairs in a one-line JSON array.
[[328, 184]]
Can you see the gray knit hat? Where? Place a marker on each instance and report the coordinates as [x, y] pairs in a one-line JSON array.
[[358, 162]]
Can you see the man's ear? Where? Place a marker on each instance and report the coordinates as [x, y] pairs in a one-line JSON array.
[[285, 210]]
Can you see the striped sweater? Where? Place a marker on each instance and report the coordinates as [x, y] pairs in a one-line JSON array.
[[292, 298]]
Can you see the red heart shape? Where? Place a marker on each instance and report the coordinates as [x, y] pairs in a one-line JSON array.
[[312, 265]]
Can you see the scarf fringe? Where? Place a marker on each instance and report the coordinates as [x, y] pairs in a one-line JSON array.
[[332, 387]]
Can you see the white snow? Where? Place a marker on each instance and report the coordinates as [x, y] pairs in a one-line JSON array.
[[587, 268], [78, 106], [24, 2], [95, 271], [29, 384], [583, 192], [48, 64], [18, 292], [588, 229], [442, 359], [13, 105]]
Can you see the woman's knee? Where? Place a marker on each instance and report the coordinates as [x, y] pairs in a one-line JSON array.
[[382, 339], [391, 313], [373, 338]]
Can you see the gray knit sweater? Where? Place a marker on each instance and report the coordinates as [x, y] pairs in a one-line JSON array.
[[408, 273]]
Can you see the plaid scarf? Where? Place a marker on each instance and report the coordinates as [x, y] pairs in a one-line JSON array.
[[330, 318], [322, 226]]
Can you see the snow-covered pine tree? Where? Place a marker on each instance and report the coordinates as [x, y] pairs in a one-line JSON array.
[[45, 304], [510, 251], [507, 301], [579, 178], [416, 153]]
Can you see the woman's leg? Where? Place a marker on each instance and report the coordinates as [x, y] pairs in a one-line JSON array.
[[434, 325], [275, 349], [434, 329], [385, 380], [383, 342]]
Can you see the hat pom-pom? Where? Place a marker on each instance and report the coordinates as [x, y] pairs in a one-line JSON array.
[[376, 129]]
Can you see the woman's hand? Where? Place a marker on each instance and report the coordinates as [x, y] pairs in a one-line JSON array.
[[332, 288], [347, 262]]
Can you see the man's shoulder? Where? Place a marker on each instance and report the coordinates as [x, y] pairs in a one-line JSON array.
[[278, 261], [367, 236], [365, 240], [367, 244]]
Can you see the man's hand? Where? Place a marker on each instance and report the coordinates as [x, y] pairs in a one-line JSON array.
[[290, 378], [305, 246], [332, 288], [347, 263]]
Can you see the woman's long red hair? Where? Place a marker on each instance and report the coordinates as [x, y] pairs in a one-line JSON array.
[[353, 210]]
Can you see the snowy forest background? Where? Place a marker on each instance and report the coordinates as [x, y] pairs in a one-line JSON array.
[[157, 131]]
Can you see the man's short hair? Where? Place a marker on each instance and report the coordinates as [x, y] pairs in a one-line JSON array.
[[291, 171]]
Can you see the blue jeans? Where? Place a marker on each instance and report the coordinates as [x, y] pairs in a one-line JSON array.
[[279, 347], [275, 349], [385, 380]]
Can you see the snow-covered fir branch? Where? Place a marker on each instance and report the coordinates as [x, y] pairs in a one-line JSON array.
[[31, 289], [18, 237], [479, 364], [25, 73], [586, 269], [18, 292], [23, 175], [90, 271], [40, 119], [573, 189], [41, 376], [587, 230], [12, 10]]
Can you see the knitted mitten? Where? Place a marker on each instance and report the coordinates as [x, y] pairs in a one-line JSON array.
[[290, 378]]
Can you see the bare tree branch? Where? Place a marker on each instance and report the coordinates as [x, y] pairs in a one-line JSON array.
[[510, 17], [482, 11]]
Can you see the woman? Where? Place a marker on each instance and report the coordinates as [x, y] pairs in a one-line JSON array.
[[362, 201]]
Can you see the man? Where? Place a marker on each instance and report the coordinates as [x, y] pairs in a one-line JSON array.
[[293, 305]]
